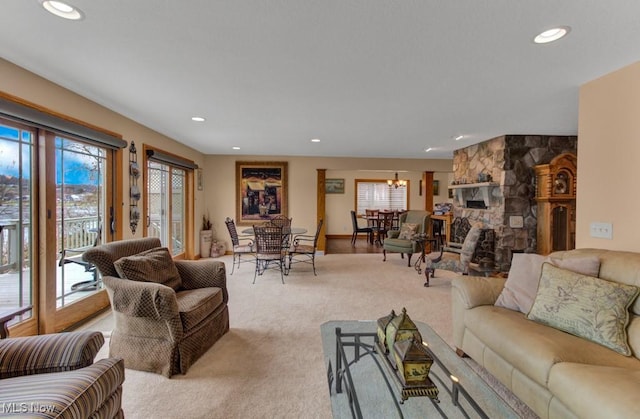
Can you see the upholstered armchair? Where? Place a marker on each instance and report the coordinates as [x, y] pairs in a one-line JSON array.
[[399, 241], [457, 261], [55, 376], [167, 313]]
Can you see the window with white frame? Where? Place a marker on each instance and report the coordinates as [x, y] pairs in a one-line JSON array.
[[377, 194]]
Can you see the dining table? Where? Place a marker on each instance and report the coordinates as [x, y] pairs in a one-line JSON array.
[[294, 231]]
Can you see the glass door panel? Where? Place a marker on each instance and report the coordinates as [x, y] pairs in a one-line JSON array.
[[80, 212], [16, 215], [177, 211]]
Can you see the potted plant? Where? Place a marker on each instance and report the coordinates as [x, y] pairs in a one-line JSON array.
[[206, 237]]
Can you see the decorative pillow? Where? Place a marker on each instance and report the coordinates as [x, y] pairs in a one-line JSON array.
[[521, 286], [522, 283], [587, 265], [588, 307], [154, 265], [407, 230]]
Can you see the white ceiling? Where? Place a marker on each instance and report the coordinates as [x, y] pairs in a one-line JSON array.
[[370, 78]]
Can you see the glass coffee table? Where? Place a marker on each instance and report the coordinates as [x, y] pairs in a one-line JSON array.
[[361, 386]]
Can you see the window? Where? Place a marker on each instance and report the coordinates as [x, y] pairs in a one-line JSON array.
[[168, 209], [377, 194]]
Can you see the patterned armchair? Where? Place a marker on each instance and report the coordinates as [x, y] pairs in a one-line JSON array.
[[167, 313], [399, 241], [470, 250], [54, 376]]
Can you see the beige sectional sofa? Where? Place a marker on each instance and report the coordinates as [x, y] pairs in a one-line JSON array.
[[557, 374]]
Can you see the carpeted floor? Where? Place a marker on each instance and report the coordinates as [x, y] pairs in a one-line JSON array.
[[270, 364]]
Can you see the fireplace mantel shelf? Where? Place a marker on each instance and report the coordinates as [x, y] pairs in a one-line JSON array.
[[484, 187]]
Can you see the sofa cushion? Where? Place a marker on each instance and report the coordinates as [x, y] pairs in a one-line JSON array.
[[407, 231], [585, 306], [594, 391], [196, 305], [153, 265], [524, 276]]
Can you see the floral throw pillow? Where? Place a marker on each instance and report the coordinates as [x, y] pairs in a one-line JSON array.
[[407, 230], [588, 307]]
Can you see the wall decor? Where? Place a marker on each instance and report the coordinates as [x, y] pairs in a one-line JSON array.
[[261, 191], [199, 179], [436, 187], [134, 191], [334, 185]]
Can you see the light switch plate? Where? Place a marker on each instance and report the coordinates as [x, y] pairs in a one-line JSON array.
[[601, 230]]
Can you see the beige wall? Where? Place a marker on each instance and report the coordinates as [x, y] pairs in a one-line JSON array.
[[608, 159], [219, 186], [28, 86]]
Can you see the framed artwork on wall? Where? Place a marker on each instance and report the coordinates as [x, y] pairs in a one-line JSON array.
[[436, 187], [334, 186], [261, 191]]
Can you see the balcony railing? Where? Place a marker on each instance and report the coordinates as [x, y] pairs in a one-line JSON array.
[[79, 232]]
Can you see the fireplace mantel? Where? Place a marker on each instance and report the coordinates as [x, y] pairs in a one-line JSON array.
[[484, 187]]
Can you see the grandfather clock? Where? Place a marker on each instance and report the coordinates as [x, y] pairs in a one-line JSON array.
[[556, 197]]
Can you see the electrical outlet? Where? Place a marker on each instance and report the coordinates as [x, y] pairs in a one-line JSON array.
[[601, 230]]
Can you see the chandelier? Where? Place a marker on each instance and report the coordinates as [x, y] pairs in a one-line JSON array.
[[396, 183]]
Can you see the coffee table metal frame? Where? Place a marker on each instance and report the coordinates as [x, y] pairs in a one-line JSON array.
[[365, 344]]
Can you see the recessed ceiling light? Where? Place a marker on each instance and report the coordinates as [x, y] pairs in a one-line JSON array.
[[236, 148], [197, 118], [61, 9], [459, 137], [428, 149], [315, 140], [551, 35]]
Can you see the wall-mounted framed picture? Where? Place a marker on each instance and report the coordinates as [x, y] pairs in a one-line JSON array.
[[334, 185], [199, 178], [261, 191], [436, 187]]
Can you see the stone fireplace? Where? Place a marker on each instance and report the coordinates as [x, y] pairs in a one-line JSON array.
[[499, 174]]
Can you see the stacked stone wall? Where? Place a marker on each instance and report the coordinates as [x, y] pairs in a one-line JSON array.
[[510, 160]]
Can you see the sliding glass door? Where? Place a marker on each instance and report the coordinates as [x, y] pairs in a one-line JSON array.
[[16, 220]]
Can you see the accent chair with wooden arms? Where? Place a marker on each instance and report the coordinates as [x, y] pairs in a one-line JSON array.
[[399, 241], [167, 313], [455, 261]]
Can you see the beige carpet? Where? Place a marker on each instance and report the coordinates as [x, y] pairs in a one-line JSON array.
[[270, 364]]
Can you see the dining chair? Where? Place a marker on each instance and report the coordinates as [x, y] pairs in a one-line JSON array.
[[357, 229], [269, 249], [385, 224], [284, 223], [372, 217], [304, 246], [241, 246]]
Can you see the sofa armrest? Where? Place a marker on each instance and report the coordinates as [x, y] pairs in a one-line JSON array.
[[91, 392], [202, 274], [475, 291], [48, 353], [141, 299]]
